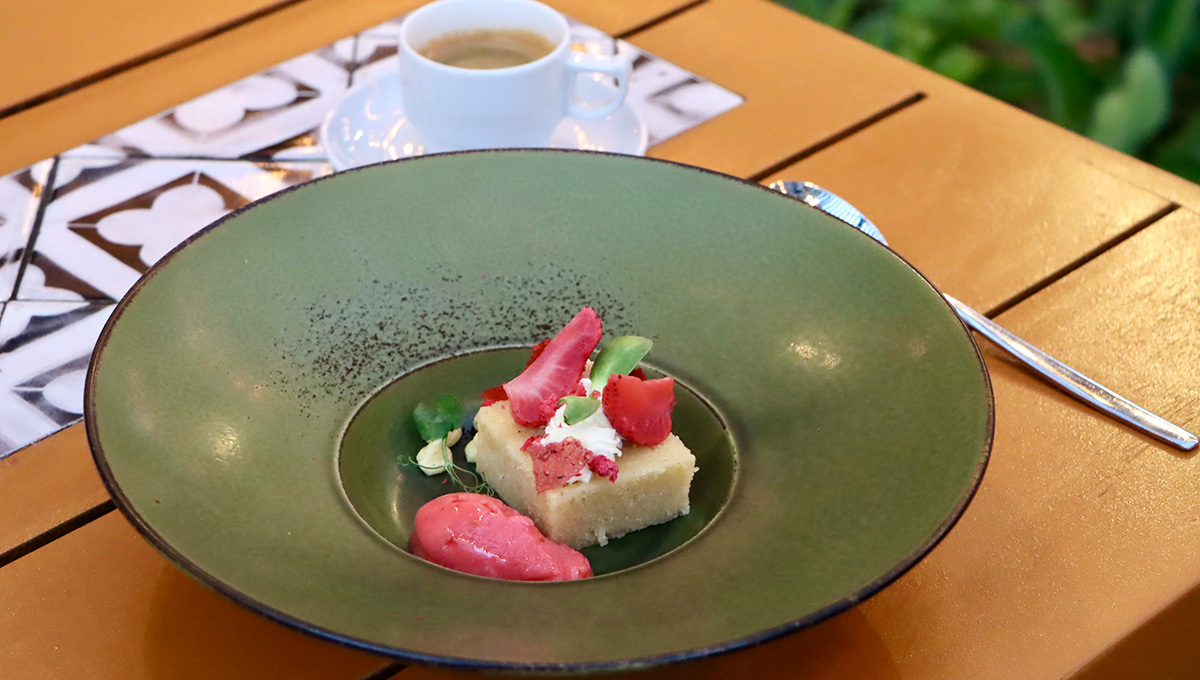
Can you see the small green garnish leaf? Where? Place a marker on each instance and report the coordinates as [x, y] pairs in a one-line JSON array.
[[621, 355], [437, 421], [460, 477], [579, 408]]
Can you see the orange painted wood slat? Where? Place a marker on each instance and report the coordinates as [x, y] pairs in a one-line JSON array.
[[40, 51], [46, 484], [803, 83], [1115, 163], [1141, 174], [101, 604], [807, 83], [1082, 529], [982, 207], [137, 93], [618, 16], [1163, 647], [47, 49], [145, 90]]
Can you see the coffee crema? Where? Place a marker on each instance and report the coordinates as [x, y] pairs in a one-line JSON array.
[[488, 48]]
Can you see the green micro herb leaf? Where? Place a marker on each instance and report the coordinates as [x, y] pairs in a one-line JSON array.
[[460, 477], [621, 355], [437, 421], [579, 408]]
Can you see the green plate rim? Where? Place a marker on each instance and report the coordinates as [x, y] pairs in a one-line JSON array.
[[216, 584]]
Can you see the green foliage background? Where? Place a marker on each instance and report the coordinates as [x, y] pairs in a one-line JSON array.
[[1125, 73]]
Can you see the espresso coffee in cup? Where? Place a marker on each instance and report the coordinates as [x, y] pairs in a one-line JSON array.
[[478, 74], [487, 48]]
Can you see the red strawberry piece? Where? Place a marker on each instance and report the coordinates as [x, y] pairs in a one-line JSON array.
[[603, 466], [639, 373], [493, 394], [640, 410], [537, 352], [555, 372], [554, 464]]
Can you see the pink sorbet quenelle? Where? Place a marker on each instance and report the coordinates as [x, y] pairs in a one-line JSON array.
[[480, 535]]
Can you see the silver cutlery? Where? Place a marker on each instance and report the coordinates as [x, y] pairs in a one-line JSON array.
[[1066, 378]]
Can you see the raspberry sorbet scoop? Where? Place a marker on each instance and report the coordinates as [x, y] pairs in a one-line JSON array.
[[480, 535]]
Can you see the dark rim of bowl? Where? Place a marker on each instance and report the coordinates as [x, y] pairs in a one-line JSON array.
[[215, 583]]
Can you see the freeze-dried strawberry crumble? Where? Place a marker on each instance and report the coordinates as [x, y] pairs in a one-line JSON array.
[[554, 464]]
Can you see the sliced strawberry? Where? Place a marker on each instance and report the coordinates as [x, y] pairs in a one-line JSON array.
[[603, 466], [640, 410], [555, 463], [555, 372], [497, 393], [537, 352], [639, 373], [493, 394]]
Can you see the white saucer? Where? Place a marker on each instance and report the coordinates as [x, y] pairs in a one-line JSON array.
[[368, 126]]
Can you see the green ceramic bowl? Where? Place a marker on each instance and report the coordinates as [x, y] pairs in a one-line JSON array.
[[248, 399]]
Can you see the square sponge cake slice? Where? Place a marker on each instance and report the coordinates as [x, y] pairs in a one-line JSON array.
[[651, 488]]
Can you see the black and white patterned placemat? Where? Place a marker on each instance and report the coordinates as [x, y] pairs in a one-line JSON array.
[[77, 230]]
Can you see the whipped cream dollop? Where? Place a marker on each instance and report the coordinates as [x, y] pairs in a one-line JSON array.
[[595, 433]]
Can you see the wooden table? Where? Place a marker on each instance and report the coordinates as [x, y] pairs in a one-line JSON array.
[[1078, 557]]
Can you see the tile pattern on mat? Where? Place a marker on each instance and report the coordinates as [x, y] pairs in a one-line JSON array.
[[44, 353], [20, 195], [118, 204], [272, 115], [105, 225]]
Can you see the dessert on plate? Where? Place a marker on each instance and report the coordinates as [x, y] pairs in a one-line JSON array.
[[584, 448], [581, 451]]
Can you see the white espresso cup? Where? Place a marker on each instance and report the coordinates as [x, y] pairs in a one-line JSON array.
[[454, 108]]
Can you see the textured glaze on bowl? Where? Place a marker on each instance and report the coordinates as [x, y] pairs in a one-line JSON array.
[[856, 400]]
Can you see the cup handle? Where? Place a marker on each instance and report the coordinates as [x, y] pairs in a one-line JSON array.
[[617, 66]]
